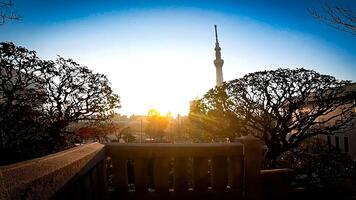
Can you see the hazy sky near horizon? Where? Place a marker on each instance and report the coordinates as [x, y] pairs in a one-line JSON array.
[[159, 54]]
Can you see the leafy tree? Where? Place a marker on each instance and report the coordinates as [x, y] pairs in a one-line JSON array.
[[22, 96], [123, 132], [98, 131], [182, 131], [198, 135], [202, 128], [282, 107], [126, 134], [210, 121], [156, 124], [39, 99], [318, 163], [75, 94]]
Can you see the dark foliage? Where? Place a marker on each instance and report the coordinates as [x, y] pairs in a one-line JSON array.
[[39, 99], [316, 163], [75, 93], [282, 107]]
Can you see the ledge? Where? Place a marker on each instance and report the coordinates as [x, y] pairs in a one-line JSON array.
[[42, 177]]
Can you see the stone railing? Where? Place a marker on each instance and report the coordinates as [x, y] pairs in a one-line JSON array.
[[138, 169], [72, 174], [275, 183], [188, 166]]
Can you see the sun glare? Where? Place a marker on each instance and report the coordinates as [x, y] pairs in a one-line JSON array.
[[169, 109]]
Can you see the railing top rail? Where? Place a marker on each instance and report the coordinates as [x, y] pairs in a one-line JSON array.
[[170, 145], [50, 157], [50, 172], [174, 150]]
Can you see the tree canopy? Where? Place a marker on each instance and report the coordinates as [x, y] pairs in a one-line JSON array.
[[282, 107], [156, 124], [40, 98], [75, 93]]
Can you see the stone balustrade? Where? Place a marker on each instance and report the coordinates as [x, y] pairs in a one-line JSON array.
[[143, 169], [189, 166]]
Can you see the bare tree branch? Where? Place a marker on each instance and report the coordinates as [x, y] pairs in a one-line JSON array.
[[7, 13], [343, 19]]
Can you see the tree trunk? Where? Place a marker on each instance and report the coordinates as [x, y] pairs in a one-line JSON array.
[[271, 158]]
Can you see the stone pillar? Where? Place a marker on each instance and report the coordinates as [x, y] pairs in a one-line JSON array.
[[3, 192], [252, 166]]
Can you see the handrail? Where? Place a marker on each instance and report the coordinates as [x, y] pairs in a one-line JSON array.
[[41, 178], [176, 150]]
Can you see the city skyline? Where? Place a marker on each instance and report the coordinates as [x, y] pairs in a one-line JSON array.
[[160, 55]]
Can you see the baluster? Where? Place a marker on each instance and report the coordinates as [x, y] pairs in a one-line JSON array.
[[141, 174], [102, 177], [219, 172], [94, 183], [161, 171], [75, 191], [236, 172], [181, 175], [201, 176], [119, 172], [86, 187]]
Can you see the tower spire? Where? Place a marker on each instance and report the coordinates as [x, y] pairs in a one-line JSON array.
[[216, 34], [218, 62]]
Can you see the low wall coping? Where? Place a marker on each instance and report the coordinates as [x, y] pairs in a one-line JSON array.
[[40, 178]]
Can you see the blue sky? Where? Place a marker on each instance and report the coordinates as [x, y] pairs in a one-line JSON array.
[[159, 54]]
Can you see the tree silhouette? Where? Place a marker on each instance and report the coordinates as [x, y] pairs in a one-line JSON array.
[[22, 96], [75, 94], [40, 99], [282, 107], [340, 18]]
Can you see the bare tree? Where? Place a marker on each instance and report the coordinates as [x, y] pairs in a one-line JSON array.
[[340, 18], [6, 12]]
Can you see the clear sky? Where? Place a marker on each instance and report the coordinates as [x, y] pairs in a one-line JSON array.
[[159, 54]]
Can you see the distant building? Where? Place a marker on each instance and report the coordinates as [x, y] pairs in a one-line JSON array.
[[344, 140]]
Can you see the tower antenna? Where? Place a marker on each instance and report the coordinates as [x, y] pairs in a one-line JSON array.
[[216, 33]]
